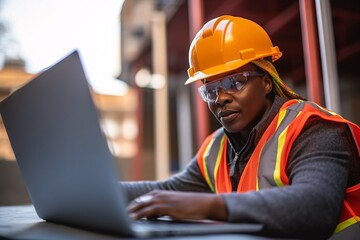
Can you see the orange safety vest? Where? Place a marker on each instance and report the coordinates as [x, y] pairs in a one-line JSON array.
[[266, 167]]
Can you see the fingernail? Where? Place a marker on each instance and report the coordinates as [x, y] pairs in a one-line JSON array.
[[132, 216]]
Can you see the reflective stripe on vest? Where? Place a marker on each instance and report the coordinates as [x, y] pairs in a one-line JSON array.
[[275, 146], [214, 147]]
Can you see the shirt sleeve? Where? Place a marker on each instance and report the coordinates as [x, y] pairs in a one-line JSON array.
[[311, 205], [188, 180]]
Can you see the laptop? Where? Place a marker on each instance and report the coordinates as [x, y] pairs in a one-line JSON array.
[[68, 169]]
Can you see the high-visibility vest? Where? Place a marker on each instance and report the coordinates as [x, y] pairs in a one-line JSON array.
[[266, 167]]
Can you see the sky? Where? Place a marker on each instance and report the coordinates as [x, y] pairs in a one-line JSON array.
[[45, 31]]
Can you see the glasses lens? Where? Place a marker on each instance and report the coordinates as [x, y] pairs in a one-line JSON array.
[[229, 84], [202, 91], [210, 91]]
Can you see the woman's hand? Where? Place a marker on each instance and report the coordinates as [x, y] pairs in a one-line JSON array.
[[178, 205]]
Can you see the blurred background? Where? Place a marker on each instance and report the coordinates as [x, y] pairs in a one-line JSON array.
[[135, 53]]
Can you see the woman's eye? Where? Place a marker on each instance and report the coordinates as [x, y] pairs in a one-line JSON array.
[[211, 91], [239, 84]]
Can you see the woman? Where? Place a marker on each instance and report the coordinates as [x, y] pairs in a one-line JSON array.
[[278, 160]]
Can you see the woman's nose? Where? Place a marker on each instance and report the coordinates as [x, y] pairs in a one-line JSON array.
[[222, 97]]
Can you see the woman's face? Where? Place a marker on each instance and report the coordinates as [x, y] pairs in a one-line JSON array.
[[242, 110]]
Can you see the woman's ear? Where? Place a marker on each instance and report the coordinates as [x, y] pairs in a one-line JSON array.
[[268, 83]]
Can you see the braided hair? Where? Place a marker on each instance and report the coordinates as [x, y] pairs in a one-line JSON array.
[[280, 88]]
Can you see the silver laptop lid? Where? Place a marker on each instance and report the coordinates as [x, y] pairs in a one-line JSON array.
[[55, 133]]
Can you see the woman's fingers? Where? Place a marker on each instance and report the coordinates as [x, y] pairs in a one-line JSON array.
[[178, 205]]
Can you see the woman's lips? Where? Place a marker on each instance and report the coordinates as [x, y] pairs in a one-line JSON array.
[[227, 116]]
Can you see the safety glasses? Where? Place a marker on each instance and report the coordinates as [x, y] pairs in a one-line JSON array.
[[229, 84]]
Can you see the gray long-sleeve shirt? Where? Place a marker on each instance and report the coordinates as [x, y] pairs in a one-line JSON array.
[[322, 163]]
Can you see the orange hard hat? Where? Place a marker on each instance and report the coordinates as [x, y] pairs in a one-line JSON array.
[[225, 44]]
